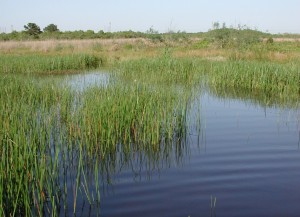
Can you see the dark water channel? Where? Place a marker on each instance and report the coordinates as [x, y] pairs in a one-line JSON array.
[[244, 161]]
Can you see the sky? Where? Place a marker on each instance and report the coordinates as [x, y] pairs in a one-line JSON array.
[[276, 16]]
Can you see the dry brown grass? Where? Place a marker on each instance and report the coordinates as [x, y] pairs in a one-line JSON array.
[[71, 45], [286, 39], [202, 53]]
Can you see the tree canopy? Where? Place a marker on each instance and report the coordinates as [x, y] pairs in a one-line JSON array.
[[51, 28], [32, 29]]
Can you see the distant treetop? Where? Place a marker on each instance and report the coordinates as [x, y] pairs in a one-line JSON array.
[[33, 29], [51, 28]]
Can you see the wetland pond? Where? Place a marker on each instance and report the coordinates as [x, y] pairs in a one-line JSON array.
[[243, 160]]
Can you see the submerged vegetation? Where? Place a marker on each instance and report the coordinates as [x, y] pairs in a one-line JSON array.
[[57, 143]]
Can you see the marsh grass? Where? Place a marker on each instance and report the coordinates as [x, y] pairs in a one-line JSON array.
[[260, 76], [56, 143], [26, 166], [17, 64], [164, 70], [50, 133]]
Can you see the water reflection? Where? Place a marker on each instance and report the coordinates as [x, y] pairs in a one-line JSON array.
[[264, 99], [99, 175], [81, 82]]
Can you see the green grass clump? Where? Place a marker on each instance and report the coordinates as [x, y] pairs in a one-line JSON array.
[[262, 76], [28, 173], [162, 70], [17, 64], [127, 115]]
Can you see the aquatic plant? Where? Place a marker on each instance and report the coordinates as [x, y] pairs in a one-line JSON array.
[[48, 64], [262, 76], [51, 132]]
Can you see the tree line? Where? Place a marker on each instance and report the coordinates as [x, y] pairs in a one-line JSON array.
[[223, 35], [51, 31]]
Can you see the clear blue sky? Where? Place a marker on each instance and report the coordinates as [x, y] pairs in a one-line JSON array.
[[276, 16]]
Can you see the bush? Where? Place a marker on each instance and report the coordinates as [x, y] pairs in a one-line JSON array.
[[270, 40], [233, 38]]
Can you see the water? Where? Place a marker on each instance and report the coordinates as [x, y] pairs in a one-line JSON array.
[[246, 163], [81, 82]]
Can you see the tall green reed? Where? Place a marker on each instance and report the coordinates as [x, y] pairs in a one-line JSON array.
[[262, 76], [16, 64], [24, 145], [49, 132], [164, 70]]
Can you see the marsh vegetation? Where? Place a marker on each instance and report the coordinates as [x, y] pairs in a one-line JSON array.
[[60, 144]]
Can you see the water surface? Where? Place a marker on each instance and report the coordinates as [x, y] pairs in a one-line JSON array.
[[81, 82]]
